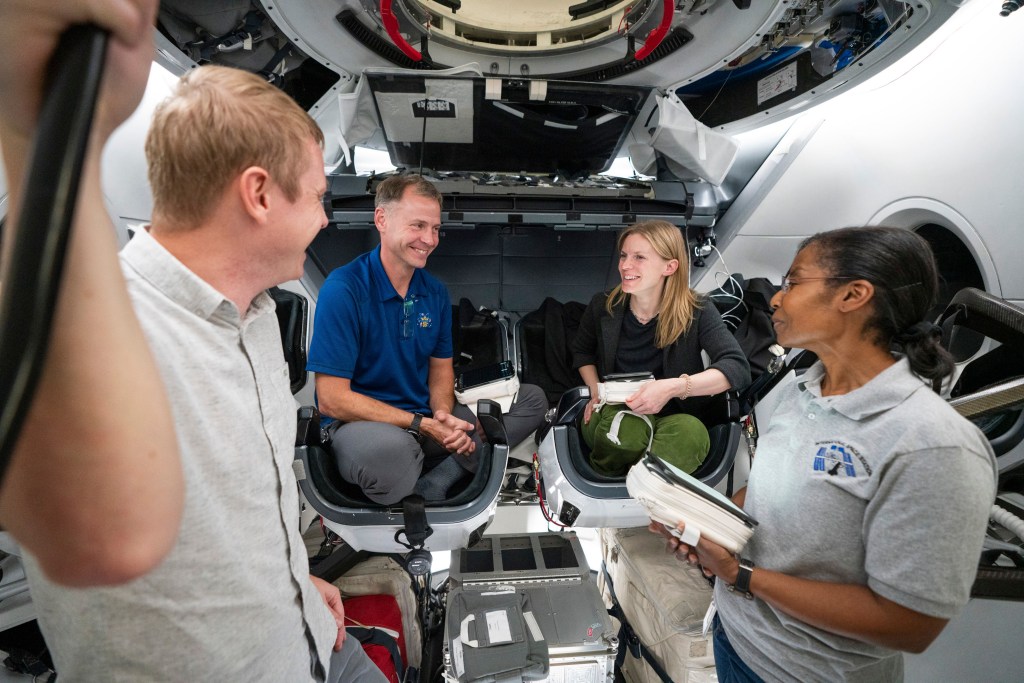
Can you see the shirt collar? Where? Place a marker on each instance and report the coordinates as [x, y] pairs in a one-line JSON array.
[[173, 279], [386, 290], [885, 390]]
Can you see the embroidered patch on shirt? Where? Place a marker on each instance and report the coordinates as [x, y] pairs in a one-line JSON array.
[[424, 320], [838, 459]]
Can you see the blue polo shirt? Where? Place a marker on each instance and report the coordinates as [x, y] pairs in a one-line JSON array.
[[365, 332]]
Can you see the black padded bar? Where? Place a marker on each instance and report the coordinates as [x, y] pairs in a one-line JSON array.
[[44, 225]]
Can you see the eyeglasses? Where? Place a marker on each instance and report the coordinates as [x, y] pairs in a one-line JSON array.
[[407, 322], [788, 282]]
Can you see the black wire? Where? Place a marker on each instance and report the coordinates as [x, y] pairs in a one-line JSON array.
[[423, 136], [39, 241], [719, 92]]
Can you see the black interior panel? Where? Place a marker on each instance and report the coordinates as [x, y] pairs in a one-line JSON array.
[[502, 268], [577, 128]]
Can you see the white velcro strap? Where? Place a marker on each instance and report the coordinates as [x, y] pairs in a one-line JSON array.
[[492, 88], [464, 632], [531, 622], [690, 535], [613, 431], [503, 393]]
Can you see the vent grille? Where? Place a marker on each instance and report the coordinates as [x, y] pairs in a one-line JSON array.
[[381, 46], [676, 39]]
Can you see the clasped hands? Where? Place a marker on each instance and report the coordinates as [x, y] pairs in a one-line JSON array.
[[450, 432]]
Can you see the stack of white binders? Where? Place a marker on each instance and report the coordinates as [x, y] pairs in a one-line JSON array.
[[670, 496]]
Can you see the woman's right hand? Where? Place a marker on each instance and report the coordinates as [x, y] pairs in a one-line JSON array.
[[651, 397], [589, 410], [713, 559]]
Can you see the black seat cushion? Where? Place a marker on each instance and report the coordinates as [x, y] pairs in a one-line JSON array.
[[292, 317], [324, 475], [477, 337]]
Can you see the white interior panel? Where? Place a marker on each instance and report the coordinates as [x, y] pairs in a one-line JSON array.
[[944, 131]]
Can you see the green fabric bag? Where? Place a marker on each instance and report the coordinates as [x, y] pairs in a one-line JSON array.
[[681, 440]]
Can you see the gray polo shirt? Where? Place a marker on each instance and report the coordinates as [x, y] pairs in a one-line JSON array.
[[886, 486], [233, 600]]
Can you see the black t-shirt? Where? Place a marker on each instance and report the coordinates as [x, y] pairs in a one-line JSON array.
[[636, 351]]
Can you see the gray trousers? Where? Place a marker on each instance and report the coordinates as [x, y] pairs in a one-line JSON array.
[[386, 461], [350, 665]]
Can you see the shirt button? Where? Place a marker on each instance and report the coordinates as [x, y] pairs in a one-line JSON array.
[[810, 416]]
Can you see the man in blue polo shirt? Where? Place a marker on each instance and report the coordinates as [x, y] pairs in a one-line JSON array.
[[382, 354]]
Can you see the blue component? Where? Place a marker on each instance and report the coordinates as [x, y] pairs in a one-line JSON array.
[[844, 58], [819, 460], [868, 29]]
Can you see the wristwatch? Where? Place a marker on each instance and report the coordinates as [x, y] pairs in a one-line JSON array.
[[742, 585], [414, 428]]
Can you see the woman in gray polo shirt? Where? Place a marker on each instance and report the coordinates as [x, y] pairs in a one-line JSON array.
[[872, 494]]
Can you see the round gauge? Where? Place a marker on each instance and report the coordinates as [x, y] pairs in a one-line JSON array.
[[418, 562]]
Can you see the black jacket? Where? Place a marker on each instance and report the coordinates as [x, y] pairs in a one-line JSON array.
[[597, 339]]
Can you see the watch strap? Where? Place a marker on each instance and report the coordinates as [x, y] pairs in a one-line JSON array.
[[415, 426], [742, 585]]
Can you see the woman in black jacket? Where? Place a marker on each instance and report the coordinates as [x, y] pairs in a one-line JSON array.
[[654, 322]]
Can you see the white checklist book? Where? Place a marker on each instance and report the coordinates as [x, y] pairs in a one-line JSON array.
[[670, 496]]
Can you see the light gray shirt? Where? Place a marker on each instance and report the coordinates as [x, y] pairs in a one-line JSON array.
[[233, 600], [886, 487]]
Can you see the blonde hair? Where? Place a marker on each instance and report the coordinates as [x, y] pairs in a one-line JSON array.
[[218, 122], [678, 301]]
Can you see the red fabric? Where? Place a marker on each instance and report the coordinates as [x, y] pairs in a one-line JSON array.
[[378, 610]]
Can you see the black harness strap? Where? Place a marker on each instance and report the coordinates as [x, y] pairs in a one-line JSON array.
[[375, 636], [414, 512], [628, 636]]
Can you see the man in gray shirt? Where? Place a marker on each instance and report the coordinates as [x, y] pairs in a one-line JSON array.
[[237, 176]]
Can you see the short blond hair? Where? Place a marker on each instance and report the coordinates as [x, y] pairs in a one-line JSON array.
[[218, 122]]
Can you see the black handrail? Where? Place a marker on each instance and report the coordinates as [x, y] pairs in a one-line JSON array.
[[39, 241]]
